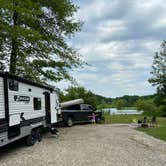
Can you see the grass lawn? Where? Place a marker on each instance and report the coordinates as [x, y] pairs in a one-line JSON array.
[[158, 132], [121, 118]]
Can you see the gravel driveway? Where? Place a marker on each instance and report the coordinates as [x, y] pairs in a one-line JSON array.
[[89, 145]]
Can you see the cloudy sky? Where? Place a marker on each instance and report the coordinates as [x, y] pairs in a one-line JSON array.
[[118, 40]]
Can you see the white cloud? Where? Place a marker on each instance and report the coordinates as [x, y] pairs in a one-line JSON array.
[[161, 22], [118, 39]]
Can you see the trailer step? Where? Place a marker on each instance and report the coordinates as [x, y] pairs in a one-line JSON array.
[[54, 131]]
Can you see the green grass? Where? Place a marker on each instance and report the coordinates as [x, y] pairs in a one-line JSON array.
[[157, 132], [120, 118]]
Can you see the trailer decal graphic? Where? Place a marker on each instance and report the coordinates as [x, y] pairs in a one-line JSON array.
[[22, 98]]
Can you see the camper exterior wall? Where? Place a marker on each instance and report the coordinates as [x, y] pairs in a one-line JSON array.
[[26, 107]]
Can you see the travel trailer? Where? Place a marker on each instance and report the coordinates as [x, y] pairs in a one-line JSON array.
[[26, 108]]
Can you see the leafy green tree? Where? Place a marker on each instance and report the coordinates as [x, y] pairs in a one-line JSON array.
[[119, 103], [33, 38], [79, 92], [145, 105], [159, 75], [130, 100], [149, 107], [103, 105]]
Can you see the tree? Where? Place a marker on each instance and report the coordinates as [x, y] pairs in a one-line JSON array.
[[33, 37], [119, 103], [79, 92], [148, 106], [159, 75]]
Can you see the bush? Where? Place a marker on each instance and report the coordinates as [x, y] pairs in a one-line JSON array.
[[161, 111], [147, 106], [150, 109]]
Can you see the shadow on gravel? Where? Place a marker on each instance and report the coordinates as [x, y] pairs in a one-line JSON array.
[[20, 144], [75, 124], [12, 148]]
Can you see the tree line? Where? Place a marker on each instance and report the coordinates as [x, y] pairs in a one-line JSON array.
[[146, 103]]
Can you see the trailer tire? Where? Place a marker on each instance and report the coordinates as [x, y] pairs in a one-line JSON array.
[[39, 135], [69, 122], [31, 139]]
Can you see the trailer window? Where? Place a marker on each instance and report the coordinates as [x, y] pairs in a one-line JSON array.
[[13, 85], [37, 103]]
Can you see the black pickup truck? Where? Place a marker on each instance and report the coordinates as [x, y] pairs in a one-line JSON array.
[[79, 113]]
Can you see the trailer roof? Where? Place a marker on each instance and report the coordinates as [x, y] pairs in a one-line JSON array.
[[20, 79]]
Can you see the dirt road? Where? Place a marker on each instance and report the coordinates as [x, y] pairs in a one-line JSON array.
[[88, 145]]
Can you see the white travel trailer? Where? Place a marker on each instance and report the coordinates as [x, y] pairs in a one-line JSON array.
[[25, 109]]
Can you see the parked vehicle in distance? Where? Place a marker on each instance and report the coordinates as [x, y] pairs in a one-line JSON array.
[[76, 112], [26, 108]]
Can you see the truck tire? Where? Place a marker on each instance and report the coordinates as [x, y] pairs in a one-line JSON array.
[[31, 139], [69, 122], [39, 135], [98, 119]]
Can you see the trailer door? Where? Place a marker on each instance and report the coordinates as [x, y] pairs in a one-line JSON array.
[[47, 107], [53, 109]]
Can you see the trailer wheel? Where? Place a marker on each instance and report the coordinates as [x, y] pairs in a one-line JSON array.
[[39, 135], [69, 122], [31, 139]]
